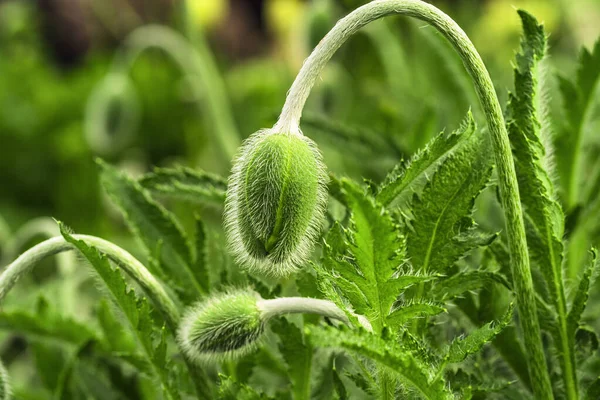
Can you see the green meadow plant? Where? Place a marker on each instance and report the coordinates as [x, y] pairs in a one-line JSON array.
[[339, 289]]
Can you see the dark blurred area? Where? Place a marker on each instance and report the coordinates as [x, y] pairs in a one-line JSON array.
[[223, 73]]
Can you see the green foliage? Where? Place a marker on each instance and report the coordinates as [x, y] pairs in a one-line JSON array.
[[461, 348], [410, 274], [151, 341], [441, 229], [185, 184], [159, 232], [363, 262], [578, 96], [409, 176], [409, 370]]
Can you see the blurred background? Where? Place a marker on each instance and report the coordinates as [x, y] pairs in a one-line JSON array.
[[143, 83]]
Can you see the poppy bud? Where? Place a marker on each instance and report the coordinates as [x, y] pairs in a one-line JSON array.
[[225, 326], [276, 201]]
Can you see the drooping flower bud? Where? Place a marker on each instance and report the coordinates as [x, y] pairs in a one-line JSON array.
[[225, 326], [276, 201]]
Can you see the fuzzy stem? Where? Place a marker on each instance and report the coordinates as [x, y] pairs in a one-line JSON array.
[[304, 305], [134, 268], [26, 261], [301, 305], [345, 28]]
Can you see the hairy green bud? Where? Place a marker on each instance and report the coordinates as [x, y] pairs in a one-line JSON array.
[[276, 201], [225, 326], [229, 325]]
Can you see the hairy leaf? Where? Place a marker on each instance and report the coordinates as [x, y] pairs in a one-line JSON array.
[[472, 343], [402, 181], [404, 313], [364, 261], [158, 230], [411, 372], [543, 214], [297, 355], [578, 98], [441, 228], [463, 282], [136, 311], [187, 184], [581, 295]]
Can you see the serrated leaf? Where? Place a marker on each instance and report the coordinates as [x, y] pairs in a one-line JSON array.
[[593, 391], [364, 261], [578, 97], [441, 228], [297, 355], [581, 295], [47, 325], [187, 184], [544, 217], [461, 348], [463, 282], [402, 314], [136, 311], [156, 228], [411, 372], [357, 137], [229, 389], [402, 181]]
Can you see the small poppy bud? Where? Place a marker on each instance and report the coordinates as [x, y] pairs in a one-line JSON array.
[[276, 202], [229, 325], [225, 326]]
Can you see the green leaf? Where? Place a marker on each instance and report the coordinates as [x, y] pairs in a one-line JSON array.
[[354, 136], [412, 374], [581, 295], [157, 229], [593, 392], [403, 180], [463, 282], [364, 261], [229, 389], [463, 347], [578, 97], [136, 311], [441, 228], [297, 355], [405, 313], [47, 324], [187, 184], [526, 117]]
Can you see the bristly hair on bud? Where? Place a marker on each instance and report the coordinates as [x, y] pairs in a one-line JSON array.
[[276, 200], [226, 326]]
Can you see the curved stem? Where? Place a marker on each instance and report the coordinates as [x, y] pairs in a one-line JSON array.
[[292, 111], [198, 65], [26, 261], [304, 305]]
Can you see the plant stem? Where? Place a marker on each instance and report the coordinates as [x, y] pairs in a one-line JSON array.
[[345, 28], [134, 268], [26, 261], [198, 65]]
